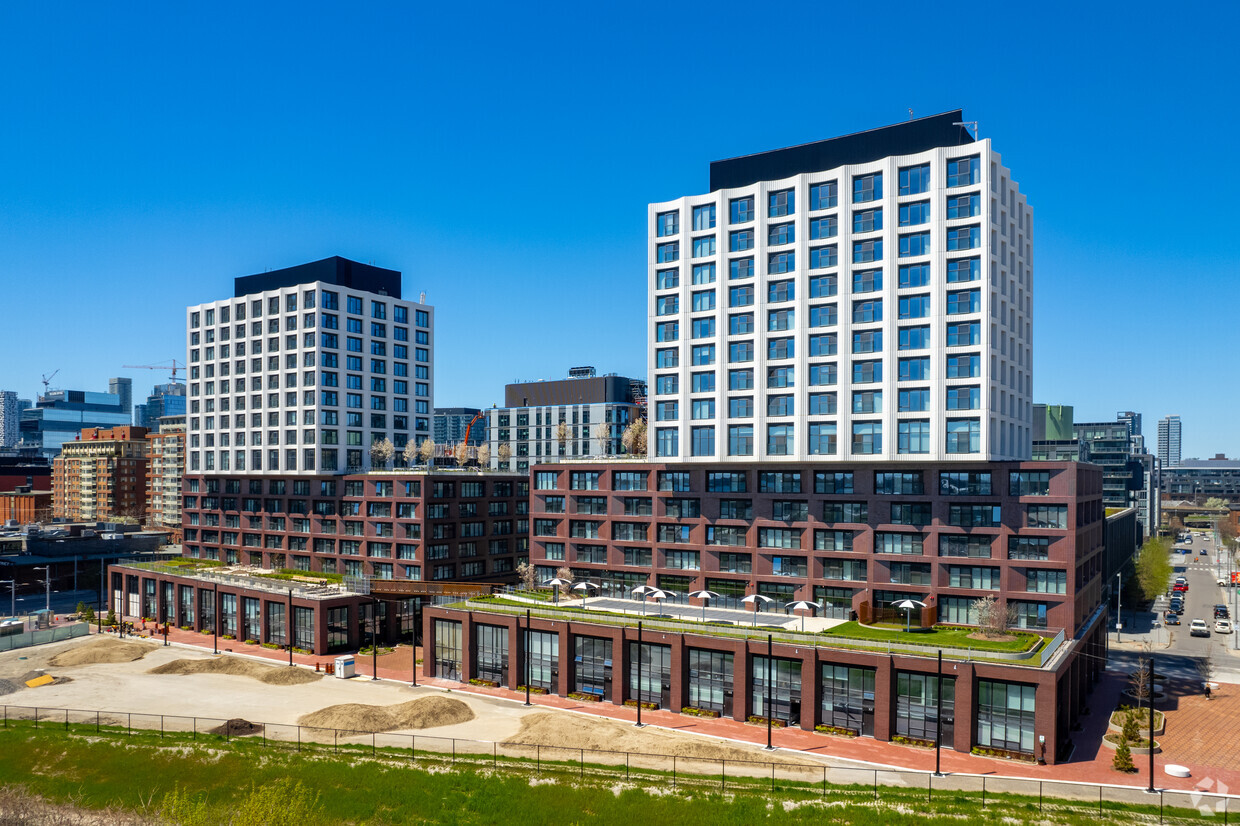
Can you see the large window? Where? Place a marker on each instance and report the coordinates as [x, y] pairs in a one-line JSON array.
[[1029, 483], [776, 689], [710, 680], [868, 188], [542, 651], [650, 673], [491, 644], [963, 171], [918, 707], [448, 649], [867, 438], [914, 436], [848, 698], [915, 179], [1005, 715], [592, 671], [964, 436]]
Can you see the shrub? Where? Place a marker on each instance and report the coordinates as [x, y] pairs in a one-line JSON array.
[[646, 705], [753, 718], [1132, 729], [1122, 761], [838, 731], [585, 698], [699, 712]]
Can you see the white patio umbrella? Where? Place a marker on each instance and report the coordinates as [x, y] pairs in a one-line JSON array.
[[703, 595], [640, 592], [757, 601], [585, 587], [908, 605], [556, 582], [803, 605], [658, 595]]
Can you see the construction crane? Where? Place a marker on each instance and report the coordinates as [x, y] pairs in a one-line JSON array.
[[176, 365], [470, 426], [47, 380]]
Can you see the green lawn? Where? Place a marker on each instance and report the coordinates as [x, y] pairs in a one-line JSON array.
[[243, 783], [943, 636], [292, 575]]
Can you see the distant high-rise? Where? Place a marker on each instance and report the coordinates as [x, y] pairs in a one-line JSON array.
[[61, 415], [1133, 420], [165, 400], [9, 417], [1169, 441], [124, 389]]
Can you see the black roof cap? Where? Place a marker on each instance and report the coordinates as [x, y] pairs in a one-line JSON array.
[[905, 138], [334, 270]]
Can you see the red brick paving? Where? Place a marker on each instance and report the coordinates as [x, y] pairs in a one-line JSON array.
[[1200, 734]]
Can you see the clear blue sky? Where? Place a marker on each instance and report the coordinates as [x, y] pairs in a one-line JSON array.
[[502, 156]]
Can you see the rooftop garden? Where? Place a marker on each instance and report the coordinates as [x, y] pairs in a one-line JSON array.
[[291, 575]]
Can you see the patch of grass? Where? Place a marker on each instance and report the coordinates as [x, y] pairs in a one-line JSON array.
[[215, 782], [943, 636], [290, 574]]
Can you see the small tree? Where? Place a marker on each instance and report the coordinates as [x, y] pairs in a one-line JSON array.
[[561, 436], [381, 452], [483, 456], [426, 452], [410, 453], [1122, 761], [602, 432], [1139, 681], [526, 575], [111, 618], [1154, 567], [565, 574], [503, 453], [634, 438], [460, 452], [1205, 670], [994, 617], [1132, 726]]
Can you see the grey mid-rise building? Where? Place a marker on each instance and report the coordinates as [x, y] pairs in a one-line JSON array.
[[9, 417], [594, 409], [165, 400], [1169, 441]]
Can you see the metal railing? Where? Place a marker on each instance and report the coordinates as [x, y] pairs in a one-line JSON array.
[[725, 774]]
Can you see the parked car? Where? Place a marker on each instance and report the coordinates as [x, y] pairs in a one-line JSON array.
[[1221, 612], [1222, 626], [1171, 618], [1198, 628], [1175, 607]]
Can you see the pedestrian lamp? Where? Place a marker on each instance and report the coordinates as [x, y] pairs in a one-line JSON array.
[[47, 583]]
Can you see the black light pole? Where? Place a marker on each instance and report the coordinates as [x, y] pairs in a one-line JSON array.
[[525, 654], [374, 641], [215, 619], [639, 674], [1151, 788], [413, 646], [938, 713], [292, 626], [770, 675]]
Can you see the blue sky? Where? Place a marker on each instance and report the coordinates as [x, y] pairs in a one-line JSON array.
[[502, 157]]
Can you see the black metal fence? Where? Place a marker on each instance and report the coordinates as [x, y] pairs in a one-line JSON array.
[[860, 785]]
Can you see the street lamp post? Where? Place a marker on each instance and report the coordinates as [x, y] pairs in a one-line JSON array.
[[525, 655], [639, 674], [1119, 616], [770, 677], [374, 641], [938, 716], [47, 583], [291, 625], [1151, 788], [215, 619]]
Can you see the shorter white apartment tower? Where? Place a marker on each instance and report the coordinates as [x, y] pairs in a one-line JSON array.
[[859, 298], [303, 368]]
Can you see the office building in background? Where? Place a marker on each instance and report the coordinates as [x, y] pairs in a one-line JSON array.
[[1169, 441]]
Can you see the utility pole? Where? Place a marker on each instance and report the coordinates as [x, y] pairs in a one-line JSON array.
[[938, 716], [1119, 616]]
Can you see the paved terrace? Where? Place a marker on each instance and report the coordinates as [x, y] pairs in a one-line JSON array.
[[240, 576]]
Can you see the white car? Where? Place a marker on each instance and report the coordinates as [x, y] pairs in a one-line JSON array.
[[1222, 626], [1198, 628]]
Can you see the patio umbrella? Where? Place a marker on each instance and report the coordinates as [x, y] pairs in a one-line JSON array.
[[757, 601], [803, 605], [640, 592], [555, 583], [704, 596], [585, 588], [658, 594], [908, 605]]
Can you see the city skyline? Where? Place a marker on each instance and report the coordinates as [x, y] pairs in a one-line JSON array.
[[139, 194]]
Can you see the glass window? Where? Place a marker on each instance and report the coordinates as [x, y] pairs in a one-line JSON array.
[[823, 344], [828, 226], [822, 437], [823, 257], [867, 311], [915, 179], [913, 436], [823, 315], [703, 217], [866, 251], [964, 436], [780, 204], [667, 253], [740, 407], [740, 324], [867, 341], [666, 441], [868, 188], [781, 262], [964, 238], [667, 223], [740, 268], [740, 240], [914, 338], [867, 438], [1006, 715], [959, 367], [823, 375], [964, 333], [867, 372], [740, 210], [667, 331], [667, 305], [868, 220], [703, 246], [702, 441], [963, 171], [917, 243], [919, 713], [822, 404], [780, 291], [914, 306], [915, 369], [703, 301], [703, 327], [740, 352], [780, 234], [667, 279], [963, 206], [914, 275], [963, 269], [703, 273], [963, 398], [916, 400], [741, 296], [740, 440], [824, 195], [740, 379]]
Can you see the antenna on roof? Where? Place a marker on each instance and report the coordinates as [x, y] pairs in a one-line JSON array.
[[910, 113], [968, 124]]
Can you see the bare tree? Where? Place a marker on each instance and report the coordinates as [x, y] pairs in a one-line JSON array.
[[561, 436], [994, 617], [426, 452], [526, 574], [634, 438], [381, 452], [1139, 680], [410, 453], [503, 453], [1206, 670], [602, 432], [483, 455], [460, 452], [565, 574]]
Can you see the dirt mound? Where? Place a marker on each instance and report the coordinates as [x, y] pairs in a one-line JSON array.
[[101, 651], [581, 732], [426, 712], [271, 675], [237, 727]]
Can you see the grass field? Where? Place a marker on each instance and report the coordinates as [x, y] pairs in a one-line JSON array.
[[944, 636], [195, 783]]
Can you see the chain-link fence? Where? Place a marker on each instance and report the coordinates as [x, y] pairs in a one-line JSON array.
[[786, 776]]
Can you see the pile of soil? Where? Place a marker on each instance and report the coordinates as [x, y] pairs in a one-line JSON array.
[[101, 651], [237, 727], [12, 684], [583, 732], [426, 712], [269, 674]]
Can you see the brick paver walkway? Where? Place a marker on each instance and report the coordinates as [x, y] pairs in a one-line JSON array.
[[1200, 735]]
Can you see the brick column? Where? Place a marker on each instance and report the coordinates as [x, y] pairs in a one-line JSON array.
[[679, 682], [965, 708], [516, 652], [742, 705], [884, 691], [567, 667], [468, 669], [811, 687], [620, 664]]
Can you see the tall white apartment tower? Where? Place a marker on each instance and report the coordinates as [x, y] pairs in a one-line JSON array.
[[1169, 441], [860, 298], [303, 368]]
